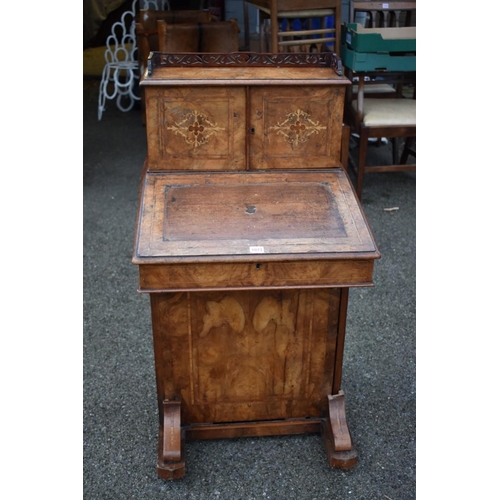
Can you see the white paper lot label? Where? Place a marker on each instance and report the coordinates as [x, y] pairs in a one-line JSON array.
[[256, 249]]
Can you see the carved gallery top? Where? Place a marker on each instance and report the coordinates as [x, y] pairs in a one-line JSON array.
[[244, 67]]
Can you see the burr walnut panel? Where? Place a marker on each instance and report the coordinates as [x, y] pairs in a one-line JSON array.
[[257, 274], [195, 128], [208, 129], [297, 127], [243, 356]]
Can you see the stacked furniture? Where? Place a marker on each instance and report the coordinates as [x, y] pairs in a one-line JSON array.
[[382, 49], [383, 14], [214, 36], [381, 58], [281, 31], [183, 31], [249, 236], [146, 28]]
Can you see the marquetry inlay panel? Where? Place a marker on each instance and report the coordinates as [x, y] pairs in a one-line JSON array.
[[248, 356], [295, 127], [193, 129]]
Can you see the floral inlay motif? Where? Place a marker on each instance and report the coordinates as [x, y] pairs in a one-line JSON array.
[[297, 127], [196, 128]]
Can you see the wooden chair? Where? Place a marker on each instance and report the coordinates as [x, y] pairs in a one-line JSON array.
[[182, 37], [219, 36], [384, 14], [147, 30], [273, 13], [374, 113], [215, 36], [392, 118]]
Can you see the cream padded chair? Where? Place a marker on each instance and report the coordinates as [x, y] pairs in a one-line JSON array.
[[385, 118], [385, 112]]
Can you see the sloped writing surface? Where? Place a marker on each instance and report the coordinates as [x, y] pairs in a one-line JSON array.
[[244, 213], [253, 211]]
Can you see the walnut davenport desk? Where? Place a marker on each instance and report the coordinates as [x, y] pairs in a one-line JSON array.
[[249, 236]]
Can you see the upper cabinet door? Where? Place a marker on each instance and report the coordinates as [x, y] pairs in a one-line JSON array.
[[295, 127], [196, 128]]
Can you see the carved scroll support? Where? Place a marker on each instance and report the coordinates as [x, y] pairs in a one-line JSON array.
[[336, 436], [171, 464]]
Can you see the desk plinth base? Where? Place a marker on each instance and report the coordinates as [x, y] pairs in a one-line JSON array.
[[238, 363], [340, 451]]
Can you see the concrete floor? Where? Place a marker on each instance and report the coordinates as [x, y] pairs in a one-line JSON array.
[[120, 419]]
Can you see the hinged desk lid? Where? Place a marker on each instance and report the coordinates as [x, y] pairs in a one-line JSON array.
[[242, 215]]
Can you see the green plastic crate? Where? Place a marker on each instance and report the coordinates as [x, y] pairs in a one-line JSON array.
[[379, 40], [365, 61]]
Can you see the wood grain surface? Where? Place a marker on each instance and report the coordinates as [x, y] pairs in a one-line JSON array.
[[307, 215], [251, 355]]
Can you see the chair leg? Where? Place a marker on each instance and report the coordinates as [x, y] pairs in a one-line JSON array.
[[362, 150], [143, 107], [274, 31], [407, 150], [344, 153], [246, 26], [338, 24], [284, 48], [103, 90], [262, 35], [395, 147]]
